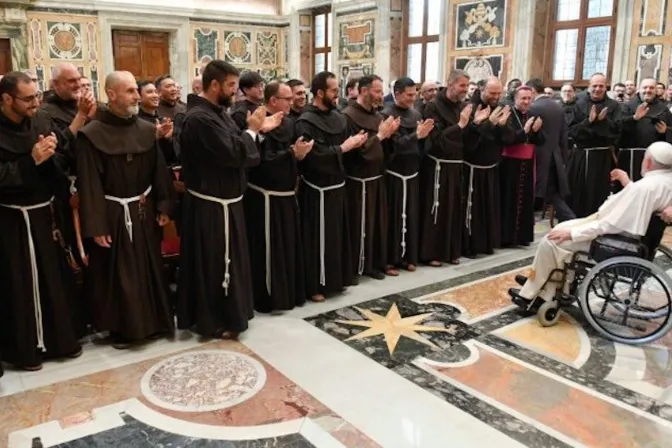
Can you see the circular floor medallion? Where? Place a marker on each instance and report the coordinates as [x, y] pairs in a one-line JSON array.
[[205, 380]]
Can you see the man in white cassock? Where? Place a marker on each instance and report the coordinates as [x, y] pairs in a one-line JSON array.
[[627, 212]]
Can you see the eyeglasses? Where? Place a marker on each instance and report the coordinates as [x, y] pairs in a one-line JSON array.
[[28, 99], [286, 98]]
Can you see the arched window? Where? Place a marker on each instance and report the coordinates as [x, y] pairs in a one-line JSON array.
[[581, 40]]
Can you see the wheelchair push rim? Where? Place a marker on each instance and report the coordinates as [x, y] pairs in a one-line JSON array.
[[605, 311]]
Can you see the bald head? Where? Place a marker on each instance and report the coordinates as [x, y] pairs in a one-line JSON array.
[[492, 91], [122, 93], [65, 81], [428, 91], [598, 86], [197, 85], [647, 89]]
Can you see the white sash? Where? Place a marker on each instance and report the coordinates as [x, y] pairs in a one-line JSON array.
[[267, 224], [127, 211], [24, 209], [321, 190], [404, 200], [227, 250], [437, 182], [362, 226], [471, 190]]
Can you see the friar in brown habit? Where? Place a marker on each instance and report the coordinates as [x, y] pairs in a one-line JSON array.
[[37, 284], [441, 211], [324, 213], [126, 194], [365, 167], [215, 294], [272, 212], [169, 97], [403, 156]]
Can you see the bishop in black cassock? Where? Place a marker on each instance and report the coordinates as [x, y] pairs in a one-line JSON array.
[[37, 303]]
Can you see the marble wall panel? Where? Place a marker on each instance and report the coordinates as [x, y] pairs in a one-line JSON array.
[[248, 47], [480, 32], [396, 54], [648, 61], [356, 55], [652, 40], [58, 38], [479, 68]]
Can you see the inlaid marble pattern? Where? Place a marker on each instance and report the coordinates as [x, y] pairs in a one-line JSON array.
[[219, 384], [467, 345], [652, 15], [56, 38], [650, 59], [479, 68]]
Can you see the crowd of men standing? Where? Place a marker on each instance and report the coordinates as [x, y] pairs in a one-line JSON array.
[[278, 201]]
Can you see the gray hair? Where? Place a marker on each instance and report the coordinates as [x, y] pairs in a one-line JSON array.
[[455, 75]]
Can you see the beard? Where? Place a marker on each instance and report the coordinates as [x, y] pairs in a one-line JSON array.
[[329, 103], [224, 101], [133, 110]]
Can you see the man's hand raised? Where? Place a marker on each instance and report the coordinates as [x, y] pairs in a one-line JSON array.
[[354, 141]]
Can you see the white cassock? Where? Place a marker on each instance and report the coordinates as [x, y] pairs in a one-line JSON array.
[[627, 212]]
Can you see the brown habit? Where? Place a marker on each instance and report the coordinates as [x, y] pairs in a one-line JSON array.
[[215, 158], [120, 157], [366, 192], [22, 183], [441, 224]]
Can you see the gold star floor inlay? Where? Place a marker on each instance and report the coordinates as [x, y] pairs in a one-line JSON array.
[[392, 326]]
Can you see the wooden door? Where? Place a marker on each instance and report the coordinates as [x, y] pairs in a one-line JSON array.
[[143, 53], [5, 56]]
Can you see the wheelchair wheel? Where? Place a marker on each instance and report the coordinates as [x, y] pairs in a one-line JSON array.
[[549, 313], [628, 300]]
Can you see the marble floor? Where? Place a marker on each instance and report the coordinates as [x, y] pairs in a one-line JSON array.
[[435, 358]]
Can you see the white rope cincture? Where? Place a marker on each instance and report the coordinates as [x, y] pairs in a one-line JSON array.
[[362, 222], [128, 222], [470, 192], [321, 190], [632, 160], [437, 182], [267, 224], [404, 200], [587, 151], [37, 304], [227, 250]]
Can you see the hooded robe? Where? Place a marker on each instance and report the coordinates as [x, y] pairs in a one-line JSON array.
[[119, 158]]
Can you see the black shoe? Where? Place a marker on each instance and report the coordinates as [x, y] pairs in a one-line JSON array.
[[521, 279], [377, 275]]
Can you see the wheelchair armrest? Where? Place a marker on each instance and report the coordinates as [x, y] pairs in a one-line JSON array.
[[609, 246]]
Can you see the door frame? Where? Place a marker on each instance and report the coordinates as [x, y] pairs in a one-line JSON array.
[[176, 27]]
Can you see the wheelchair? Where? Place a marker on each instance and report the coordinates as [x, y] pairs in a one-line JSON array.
[[621, 285]]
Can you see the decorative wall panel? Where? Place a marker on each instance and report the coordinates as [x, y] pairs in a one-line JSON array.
[[480, 24], [651, 53], [58, 38], [648, 66], [480, 36], [248, 47], [479, 68], [356, 45], [652, 17]]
